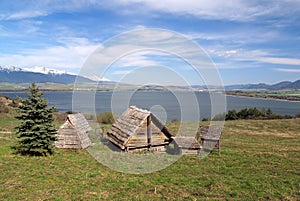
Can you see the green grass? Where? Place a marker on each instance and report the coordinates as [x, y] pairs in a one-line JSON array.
[[7, 122], [260, 160]]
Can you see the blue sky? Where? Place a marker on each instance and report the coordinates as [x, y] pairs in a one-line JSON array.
[[249, 41]]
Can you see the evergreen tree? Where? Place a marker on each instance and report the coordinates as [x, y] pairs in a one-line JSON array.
[[36, 133]]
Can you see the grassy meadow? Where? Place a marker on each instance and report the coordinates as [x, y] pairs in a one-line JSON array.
[[260, 160]]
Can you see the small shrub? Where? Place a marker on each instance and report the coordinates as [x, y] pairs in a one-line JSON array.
[[231, 115], [205, 119], [106, 118]]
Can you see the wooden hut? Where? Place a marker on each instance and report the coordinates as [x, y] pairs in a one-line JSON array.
[[73, 133], [138, 129], [210, 137], [185, 145]]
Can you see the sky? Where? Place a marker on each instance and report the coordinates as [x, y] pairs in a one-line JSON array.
[[247, 41]]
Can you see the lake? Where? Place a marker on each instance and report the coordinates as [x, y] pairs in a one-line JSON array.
[[166, 105]]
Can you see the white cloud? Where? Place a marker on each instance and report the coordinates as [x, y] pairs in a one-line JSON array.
[[73, 41], [134, 49], [225, 54], [254, 56], [121, 72], [288, 70], [66, 56], [25, 15], [237, 36], [30, 26], [236, 10], [140, 58], [239, 54], [277, 60]]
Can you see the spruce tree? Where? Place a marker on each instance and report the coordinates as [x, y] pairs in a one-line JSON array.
[[36, 132]]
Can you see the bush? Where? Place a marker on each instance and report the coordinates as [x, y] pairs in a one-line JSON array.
[[205, 119], [231, 115], [254, 113], [106, 118]]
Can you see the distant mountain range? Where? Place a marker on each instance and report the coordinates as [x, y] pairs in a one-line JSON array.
[[277, 86], [15, 75], [12, 74]]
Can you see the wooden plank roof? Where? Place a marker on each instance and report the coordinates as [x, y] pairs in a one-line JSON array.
[[128, 124], [79, 122]]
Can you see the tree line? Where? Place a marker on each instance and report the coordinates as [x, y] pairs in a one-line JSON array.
[[250, 113]]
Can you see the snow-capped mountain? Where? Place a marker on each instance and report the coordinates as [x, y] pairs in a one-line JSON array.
[[10, 68], [39, 74], [44, 70], [12, 74]]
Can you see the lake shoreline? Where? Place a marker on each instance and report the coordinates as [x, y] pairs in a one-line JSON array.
[[294, 99], [227, 93]]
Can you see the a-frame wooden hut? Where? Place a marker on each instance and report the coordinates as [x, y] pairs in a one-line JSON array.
[[73, 133], [137, 129]]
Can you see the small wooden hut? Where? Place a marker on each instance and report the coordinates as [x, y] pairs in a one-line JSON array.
[[210, 137], [185, 145], [73, 133], [137, 129]]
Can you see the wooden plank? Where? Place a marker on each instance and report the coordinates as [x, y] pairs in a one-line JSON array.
[[149, 134]]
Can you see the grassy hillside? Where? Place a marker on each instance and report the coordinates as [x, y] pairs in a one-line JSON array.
[[260, 160]]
